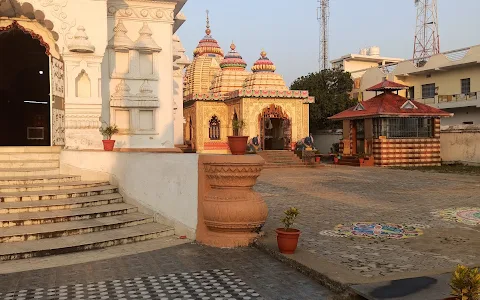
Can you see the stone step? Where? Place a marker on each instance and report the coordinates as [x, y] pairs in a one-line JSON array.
[[28, 172], [52, 205], [65, 215], [57, 194], [55, 230], [29, 156], [29, 164], [82, 242], [38, 179], [31, 149], [50, 186]]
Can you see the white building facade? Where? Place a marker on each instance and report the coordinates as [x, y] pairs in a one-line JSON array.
[[69, 66]]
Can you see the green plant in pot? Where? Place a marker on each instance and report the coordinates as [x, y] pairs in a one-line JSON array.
[[465, 283], [287, 237], [108, 131], [237, 142]]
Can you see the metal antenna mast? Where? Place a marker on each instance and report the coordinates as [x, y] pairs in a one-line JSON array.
[[323, 15], [427, 40]]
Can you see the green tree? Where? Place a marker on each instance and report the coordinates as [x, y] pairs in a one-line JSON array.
[[331, 90]]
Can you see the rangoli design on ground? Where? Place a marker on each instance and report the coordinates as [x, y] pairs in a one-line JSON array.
[[465, 215], [374, 230]]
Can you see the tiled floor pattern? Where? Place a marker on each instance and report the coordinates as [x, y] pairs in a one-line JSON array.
[[203, 285], [187, 271]]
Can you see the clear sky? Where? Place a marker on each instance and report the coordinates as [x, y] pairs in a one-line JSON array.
[[289, 31]]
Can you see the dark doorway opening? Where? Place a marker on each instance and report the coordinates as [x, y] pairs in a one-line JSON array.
[[24, 90], [274, 134]]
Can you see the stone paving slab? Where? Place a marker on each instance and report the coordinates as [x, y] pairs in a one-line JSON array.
[[402, 205], [185, 270]]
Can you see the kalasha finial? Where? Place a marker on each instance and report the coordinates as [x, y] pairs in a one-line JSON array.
[[208, 31], [263, 54], [232, 46]]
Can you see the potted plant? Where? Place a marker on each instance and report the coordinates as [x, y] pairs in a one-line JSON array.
[[237, 142], [287, 237], [361, 158], [465, 284], [335, 158], [317, 156], [107, 132]]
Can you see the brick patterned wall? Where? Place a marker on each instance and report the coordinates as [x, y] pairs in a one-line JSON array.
[[409, 152]]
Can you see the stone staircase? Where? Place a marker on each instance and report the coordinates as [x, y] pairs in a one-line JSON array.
[[43, 212], [281, 159]]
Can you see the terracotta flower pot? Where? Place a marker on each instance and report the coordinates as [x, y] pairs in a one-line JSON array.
[[108, 145], [335, 160], [238, 144], [287, 240], [317, 159]]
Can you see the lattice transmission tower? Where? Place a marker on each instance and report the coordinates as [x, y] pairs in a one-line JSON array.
[[427, 40], [323, 15]]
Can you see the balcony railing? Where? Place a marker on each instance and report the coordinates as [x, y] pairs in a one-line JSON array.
[[459, 97], [450, 98]]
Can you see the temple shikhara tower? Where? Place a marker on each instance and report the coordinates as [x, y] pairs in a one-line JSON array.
[[218, 90]]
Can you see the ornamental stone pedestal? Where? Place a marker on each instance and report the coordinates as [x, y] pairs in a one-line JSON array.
[[230, 212]]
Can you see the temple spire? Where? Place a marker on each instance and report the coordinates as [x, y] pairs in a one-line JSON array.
[[208, 31]]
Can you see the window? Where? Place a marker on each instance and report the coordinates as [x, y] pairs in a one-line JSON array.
[[428, 91], [214, 131], [465, 86], [403, 127]]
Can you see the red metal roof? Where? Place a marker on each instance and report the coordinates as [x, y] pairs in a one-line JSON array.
[[389, 104], [387, 85]]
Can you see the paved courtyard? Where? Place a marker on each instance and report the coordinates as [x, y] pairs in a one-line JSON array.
[[372, 224], [187, 271]]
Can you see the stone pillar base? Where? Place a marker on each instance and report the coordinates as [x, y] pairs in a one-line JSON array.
[[230, 212]]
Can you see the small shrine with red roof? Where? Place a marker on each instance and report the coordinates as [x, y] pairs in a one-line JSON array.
[[219, 91], [390, 130]]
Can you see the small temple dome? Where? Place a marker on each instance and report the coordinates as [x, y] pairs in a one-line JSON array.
[[80, 42], [232, 75], [263, 64], [208, 45], [233, 59], [145, 42], [120, 40], [264, 76], [205, 65]]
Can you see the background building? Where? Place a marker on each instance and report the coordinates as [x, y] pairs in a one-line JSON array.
[[449, 81]]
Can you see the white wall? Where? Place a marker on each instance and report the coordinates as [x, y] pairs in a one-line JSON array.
[[323, 140], [462, 114], [164, 184], [460, 143]]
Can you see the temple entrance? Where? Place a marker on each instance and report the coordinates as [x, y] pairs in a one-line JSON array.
[[275, 129], [24, 90]]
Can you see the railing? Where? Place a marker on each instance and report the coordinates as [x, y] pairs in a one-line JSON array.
[[453, 55], [450, 98]]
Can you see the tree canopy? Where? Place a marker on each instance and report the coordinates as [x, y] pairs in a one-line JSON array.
[[331, 90]]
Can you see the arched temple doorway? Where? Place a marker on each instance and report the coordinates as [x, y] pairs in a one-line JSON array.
[[25, 92], [275, 128]]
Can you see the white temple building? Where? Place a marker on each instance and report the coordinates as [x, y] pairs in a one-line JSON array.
[[67, 66]]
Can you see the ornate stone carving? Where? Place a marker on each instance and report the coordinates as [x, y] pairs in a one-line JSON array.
[[83, 121], [80, 42], [120, 40], [123, 98], [145, 42], [140, 13], [58, 121], [58, 12], [232, 211]]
